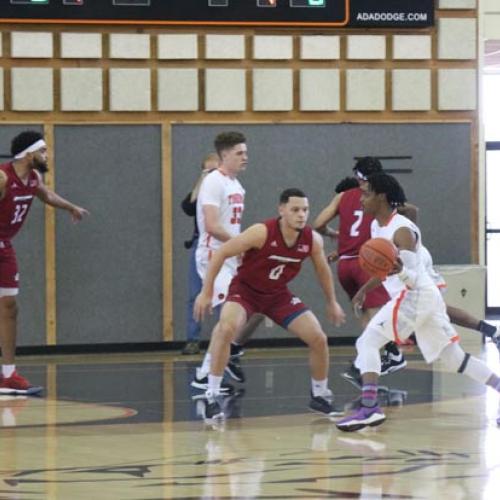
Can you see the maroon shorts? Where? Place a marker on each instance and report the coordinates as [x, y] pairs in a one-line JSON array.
[[9, 277], [352, 278], [282, 307]]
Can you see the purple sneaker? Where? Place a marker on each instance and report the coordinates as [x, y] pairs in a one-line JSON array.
[[362, 418]]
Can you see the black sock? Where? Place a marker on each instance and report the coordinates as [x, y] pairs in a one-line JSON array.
[[487, 329]]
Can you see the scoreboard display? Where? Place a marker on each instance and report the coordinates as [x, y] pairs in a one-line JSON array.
[[311, 13]]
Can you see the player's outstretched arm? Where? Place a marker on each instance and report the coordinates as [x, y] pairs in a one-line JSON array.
[[54, 200], [253, 237], [320, 224], [335, 312]]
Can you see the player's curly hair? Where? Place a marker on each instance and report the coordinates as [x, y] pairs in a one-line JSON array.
[[368, 165], [227, 140], [24, 140], [345, 184], [382, 183]]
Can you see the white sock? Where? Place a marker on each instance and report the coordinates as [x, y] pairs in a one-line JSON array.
[[214, 383], [319, 387], [8, 370], [205, 366]]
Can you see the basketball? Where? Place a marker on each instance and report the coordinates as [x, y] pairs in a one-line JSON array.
[[378, 256]]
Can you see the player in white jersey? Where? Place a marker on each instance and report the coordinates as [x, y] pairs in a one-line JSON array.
[[221, 200], [416, 306], [218, 214]]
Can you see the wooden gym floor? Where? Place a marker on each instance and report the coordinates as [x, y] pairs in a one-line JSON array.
[[126, 427]]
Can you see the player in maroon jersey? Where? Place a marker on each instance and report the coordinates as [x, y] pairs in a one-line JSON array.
[[273, 255], [354, 230], [20, 182]]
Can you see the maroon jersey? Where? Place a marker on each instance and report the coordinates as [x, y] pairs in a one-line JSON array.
[[354, 224], [271, 267], [15, 204]]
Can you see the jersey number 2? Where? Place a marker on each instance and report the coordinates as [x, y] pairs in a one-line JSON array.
[[355, 226], [19, 213]]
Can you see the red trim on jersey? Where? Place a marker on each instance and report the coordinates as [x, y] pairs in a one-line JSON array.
[[395, 312]]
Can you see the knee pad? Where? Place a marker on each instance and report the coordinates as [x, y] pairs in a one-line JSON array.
[[456, 359]]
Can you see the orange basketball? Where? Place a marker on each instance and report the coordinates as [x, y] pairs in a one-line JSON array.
[[378, 256]]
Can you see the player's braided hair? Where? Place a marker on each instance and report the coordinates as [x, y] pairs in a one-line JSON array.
[[382, 183], [24, 140], [368, 165], [345, 184]]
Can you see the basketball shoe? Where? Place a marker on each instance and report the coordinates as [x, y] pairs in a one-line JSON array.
[[236, 351], [16, 384], [364, 417], [201, 382], [324, 404], [213, 407], [353, 375], [234, 370], [392, 362]]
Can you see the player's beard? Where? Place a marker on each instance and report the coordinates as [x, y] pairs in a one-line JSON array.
[[41, 166]]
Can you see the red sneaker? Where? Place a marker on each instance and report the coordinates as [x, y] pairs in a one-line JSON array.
[[16, 384]]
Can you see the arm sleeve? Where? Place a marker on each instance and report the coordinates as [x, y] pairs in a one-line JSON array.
[[188, 206], [408, 274]]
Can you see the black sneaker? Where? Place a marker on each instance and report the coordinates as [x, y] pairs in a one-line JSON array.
[[191, 348], [213, 407], [236, 351], [202, 383], [392, 363], [234, 370], [353, 375], [325, 406], [391, 397]]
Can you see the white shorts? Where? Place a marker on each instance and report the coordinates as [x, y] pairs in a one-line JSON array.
[[223, 279], [422, 312]]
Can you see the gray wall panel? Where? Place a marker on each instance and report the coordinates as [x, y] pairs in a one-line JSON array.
[[109, 267], [315, 157], [30, 249]]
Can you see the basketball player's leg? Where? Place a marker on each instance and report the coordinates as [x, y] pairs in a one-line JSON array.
[[245, 333], [307, 327], [463, 318], [11, 382], [293, 315], [8, 325], [368, 361], [233, 316], [221, 286]]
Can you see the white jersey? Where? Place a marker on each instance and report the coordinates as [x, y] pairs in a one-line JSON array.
[[228, 195], [420, 310], [393, 284], [438, 279]]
